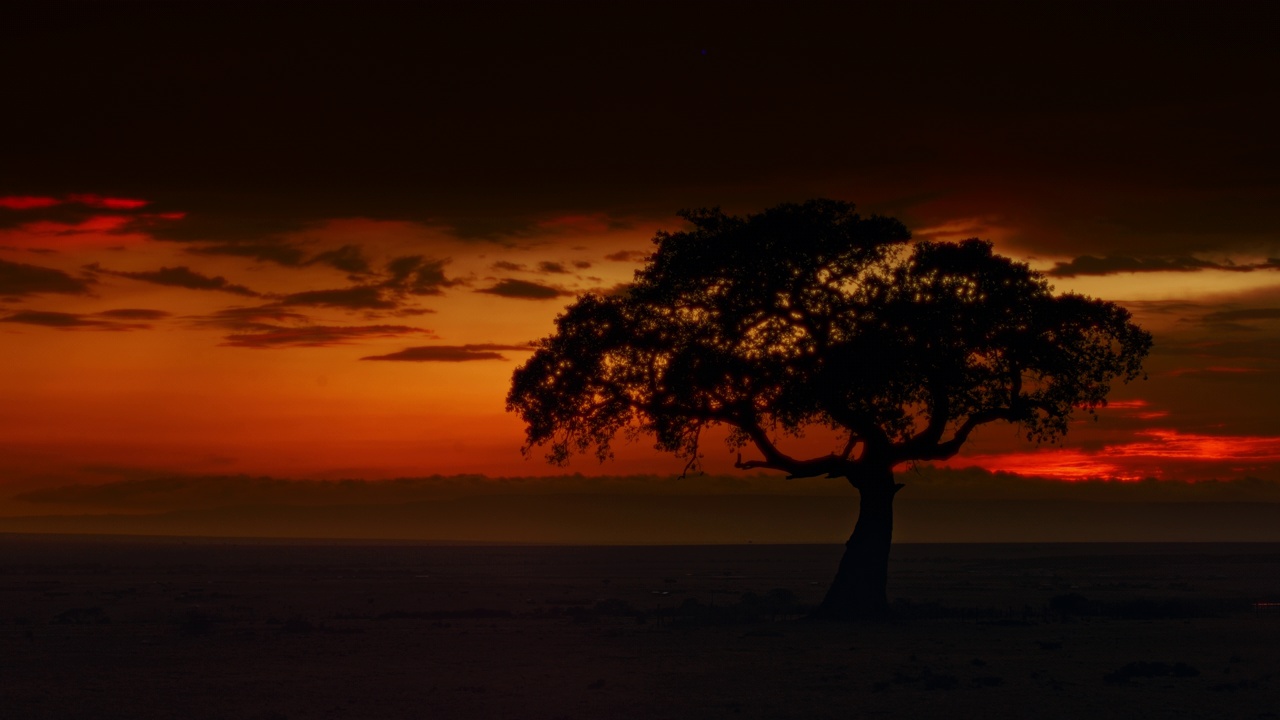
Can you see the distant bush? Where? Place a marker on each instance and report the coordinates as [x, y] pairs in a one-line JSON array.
[[198, 622], [1071, 604], [81, 616], [1077, 605], [1149, 670], [469, 614]]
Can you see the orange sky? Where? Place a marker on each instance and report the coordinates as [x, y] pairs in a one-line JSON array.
[[313, 245], [133, 368]]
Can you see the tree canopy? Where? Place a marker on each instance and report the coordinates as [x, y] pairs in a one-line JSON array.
[[812, 315]]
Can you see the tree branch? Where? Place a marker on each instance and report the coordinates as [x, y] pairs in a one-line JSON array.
[[830, 465], [948, 449]]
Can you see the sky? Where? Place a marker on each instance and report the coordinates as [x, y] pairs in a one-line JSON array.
[[313, 240]]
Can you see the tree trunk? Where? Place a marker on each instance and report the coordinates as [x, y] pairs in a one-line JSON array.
[[860, 589]]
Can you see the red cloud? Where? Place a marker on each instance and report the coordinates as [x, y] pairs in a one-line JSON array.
[[27, 202], [1169, 443], [1126, 404], [32, 202], [108, 203], [93, 224]]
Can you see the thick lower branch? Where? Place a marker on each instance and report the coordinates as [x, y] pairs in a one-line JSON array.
[[829, 465]]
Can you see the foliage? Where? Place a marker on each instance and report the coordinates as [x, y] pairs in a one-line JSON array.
[[812, 315]]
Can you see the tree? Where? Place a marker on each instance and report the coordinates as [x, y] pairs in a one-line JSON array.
[[808, 316]]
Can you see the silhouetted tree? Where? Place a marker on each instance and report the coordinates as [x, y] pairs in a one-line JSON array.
[[811, 315]]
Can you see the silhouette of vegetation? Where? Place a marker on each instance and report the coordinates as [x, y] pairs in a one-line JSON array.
[[1141, 608], [810, 316], [81, 616], [1145, 669]]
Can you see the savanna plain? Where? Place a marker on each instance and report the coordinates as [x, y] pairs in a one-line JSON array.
[[131, 627]]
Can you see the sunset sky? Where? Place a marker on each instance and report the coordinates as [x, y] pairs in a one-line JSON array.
[[313, 240]]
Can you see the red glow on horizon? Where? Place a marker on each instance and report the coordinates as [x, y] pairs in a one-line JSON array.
[[1066, 465], [1157, 455], [27, 202], [1170, 443], [1126, 404], [1137, 404]]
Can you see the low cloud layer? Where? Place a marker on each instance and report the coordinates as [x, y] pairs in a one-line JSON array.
[[450, 353], [180, 276], [360, 297], [1112, 264], [267, 336], [524, 290], [109, 320], [276, 252], [626, 256], [20, 279], [250, 318], [401, 279]]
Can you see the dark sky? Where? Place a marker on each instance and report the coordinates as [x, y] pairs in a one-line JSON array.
[[1149, 124]]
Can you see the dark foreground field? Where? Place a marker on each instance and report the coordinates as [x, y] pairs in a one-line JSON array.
[[181, 628]]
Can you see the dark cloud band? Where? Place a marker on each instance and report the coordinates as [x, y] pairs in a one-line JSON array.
[[267, 336], [181, 276], [524, 290], [19, 279], [451, 353]]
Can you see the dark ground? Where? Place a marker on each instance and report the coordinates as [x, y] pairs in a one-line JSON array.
[[110, 627]]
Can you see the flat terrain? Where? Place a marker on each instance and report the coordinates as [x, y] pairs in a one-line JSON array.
[[111, 627]]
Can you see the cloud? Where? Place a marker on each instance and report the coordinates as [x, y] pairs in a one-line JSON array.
[[32, 202], [107, 203], [524, 290], [78, 214], [1091, 265], [1212, 371], [180, 276], [451, 353], [69, 321], [508, 266], [546, 266], [1227, 316], [627, 256], [348, 258], [417, 275], [250, 318], [581, 264], [412, 312], [224, 221], [276, 252], [1260, 348], [134, 314], [18, 279], [407, 275], [27, 202], [360, 297], [267, 336]]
